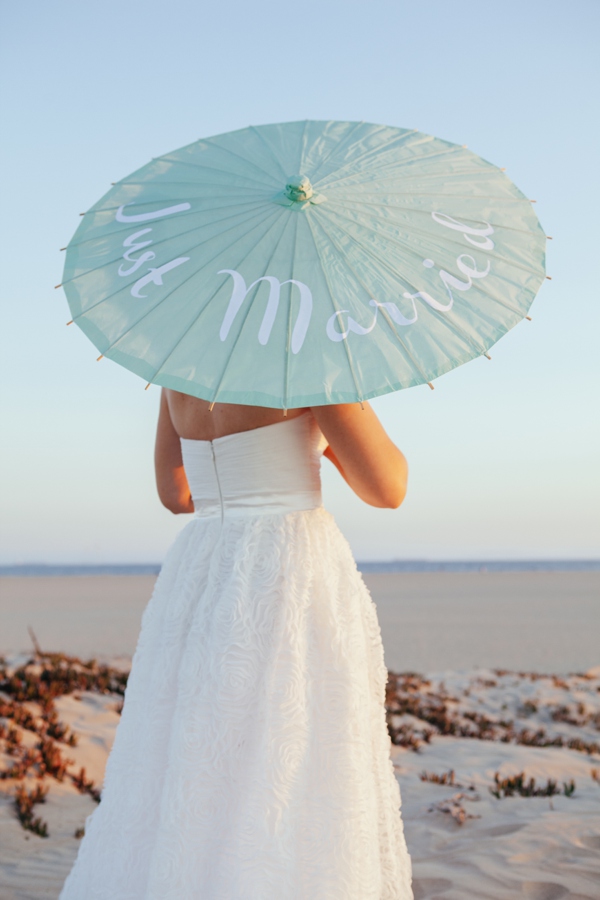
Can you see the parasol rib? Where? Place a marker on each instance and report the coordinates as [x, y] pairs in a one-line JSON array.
[[435, 241], [300, 166], [377, 169], [336, 309], [180, 216], [165, 297], [193, 323], [338, 148], [172, 237], [386, 148], [424, 212], [289, 326], [243, 159], [386, 315], [270, 149], [403, 277], [228, 172]]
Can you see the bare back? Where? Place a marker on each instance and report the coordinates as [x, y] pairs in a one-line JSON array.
[[357, 444], [193, 419]]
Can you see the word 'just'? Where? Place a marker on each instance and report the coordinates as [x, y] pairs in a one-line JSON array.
[[134, 245]]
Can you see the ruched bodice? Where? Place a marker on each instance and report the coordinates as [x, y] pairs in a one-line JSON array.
[[274, 469]]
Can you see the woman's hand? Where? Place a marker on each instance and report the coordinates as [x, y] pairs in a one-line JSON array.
[[367, 459], [173, 489]]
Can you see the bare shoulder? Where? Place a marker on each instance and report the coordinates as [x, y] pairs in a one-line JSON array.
[[359, 447], [193, 419], [345, 419]]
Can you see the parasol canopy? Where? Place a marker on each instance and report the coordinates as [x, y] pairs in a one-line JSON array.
[[305, 263]]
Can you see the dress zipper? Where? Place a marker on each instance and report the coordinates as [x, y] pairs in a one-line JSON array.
[[212, 450]]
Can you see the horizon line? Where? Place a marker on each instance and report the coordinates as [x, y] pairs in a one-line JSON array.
[[415, 564]]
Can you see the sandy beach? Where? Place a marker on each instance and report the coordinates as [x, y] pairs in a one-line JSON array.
[[542, 621], [492, 709]]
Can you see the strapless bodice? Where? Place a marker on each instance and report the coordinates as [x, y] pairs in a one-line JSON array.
[[274, 469]]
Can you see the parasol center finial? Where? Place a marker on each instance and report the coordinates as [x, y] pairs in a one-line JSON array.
[[299, 188]]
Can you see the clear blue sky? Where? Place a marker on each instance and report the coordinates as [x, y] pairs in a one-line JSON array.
[[503, 455]]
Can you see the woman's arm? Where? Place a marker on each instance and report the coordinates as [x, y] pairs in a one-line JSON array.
[[173, 489], [367, 459]]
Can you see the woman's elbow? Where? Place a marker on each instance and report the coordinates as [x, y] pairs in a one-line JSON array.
[[393, 491], [393, 496], [169, 504], [172, 507], [174, 503]]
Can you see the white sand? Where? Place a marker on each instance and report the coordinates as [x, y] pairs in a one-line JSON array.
[[533, 847]]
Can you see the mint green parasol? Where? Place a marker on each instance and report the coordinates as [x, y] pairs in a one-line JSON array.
[[304, 263]]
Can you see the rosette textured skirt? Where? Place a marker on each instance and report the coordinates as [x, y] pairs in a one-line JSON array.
[[252, 759]]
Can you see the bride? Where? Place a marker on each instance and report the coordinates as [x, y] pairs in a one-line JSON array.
[[252, 759]]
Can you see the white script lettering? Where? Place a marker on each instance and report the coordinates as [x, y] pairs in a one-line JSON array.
[[470, 271], [146, 217], [155, 276], [133, 245], [484, 242], [130, 242], [465, 263], [353, 326], [240, 292]]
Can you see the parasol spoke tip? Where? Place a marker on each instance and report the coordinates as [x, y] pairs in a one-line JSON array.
[[100, 357], [529, 319], [429, 384], [70, 322], [148, 385], [61, 249], [211, 407], [487, 355], [549, 277]]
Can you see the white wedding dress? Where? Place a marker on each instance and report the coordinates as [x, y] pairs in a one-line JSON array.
[[252, 759]]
